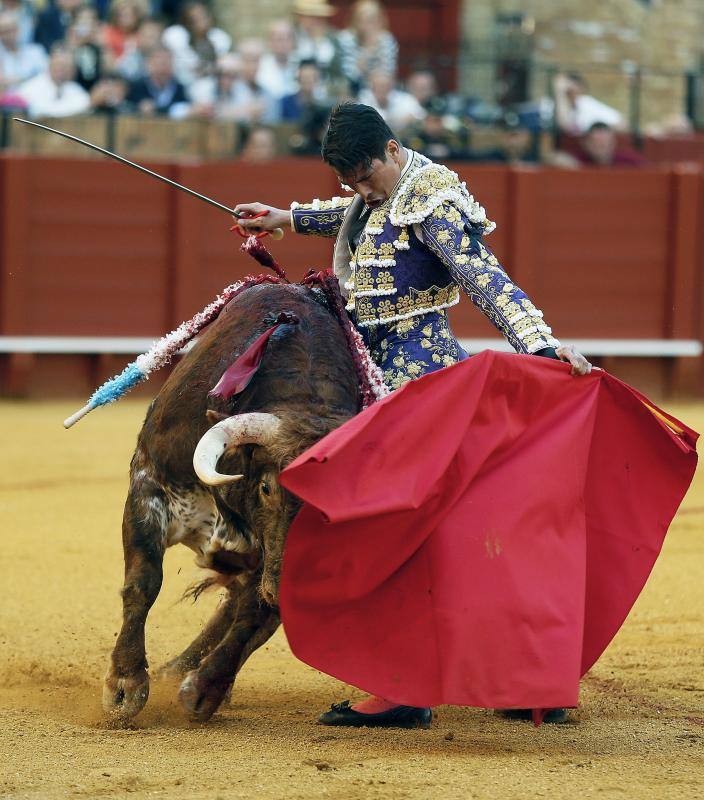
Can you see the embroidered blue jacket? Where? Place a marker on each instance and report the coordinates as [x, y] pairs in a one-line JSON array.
[[415, 252]]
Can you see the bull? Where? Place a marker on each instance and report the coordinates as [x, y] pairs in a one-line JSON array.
[[235, 515]]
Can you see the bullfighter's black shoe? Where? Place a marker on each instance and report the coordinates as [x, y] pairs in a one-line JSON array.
[[555, 716], [397, 717]]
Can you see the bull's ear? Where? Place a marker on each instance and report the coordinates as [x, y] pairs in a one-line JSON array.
[[214, 417]]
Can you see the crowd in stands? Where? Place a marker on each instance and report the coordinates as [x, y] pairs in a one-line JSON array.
[[169, 58]]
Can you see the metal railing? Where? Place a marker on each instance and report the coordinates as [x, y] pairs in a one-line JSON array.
[[497, 84], [505, 80]]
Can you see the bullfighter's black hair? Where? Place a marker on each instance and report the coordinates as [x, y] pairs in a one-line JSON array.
[[356, 135]]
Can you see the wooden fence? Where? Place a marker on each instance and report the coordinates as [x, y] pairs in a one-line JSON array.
[[90, 248]]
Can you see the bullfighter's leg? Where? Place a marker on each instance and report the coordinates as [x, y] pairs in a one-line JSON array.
[[204, 689], [403, 351], [126, 686]]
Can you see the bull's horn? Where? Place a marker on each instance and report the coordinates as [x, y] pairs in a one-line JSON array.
[[254, 428]]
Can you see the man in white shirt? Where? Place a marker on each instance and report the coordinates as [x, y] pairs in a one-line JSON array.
[[246, 101], [398, 108], [234, 93], [18, 62], [54, 93], [277, 68], [576, 111]]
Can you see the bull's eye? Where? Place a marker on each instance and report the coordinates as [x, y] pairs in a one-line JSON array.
[[266, 489]]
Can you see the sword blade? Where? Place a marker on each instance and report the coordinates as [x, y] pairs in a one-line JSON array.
[[129, 163]]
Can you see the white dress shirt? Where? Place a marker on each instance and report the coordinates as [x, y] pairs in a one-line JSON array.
[[17, 66], [278, 80], [46, 99], [400, 110], [589, 111]]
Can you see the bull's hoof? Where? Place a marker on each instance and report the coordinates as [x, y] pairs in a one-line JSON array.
[[199, 698], [124, 698]]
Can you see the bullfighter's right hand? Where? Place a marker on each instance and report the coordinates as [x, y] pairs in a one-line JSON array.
[[275, 218]]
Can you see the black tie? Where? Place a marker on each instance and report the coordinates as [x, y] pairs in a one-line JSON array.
[[354, 233]]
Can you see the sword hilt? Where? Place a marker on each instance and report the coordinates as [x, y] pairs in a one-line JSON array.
[[275, 234]]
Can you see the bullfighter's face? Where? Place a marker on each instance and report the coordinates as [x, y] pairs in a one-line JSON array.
[[376, 182]]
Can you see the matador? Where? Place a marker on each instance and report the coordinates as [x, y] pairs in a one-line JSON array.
[[408, 239]]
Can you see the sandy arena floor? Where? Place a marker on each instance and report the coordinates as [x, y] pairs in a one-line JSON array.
[[638, 734]]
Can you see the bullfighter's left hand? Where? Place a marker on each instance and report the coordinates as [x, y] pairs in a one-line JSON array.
[[580, 365]]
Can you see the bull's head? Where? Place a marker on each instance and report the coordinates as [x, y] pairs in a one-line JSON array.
[[256, 447]]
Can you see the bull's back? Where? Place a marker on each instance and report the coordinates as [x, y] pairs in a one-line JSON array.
[[306, 366]]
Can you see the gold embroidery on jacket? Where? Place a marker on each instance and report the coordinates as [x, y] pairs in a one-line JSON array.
[[489, 287], [336, 203], [435, 337], [321, 217], [326, 225]]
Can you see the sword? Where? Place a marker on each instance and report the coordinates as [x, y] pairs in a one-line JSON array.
[[277, 233]]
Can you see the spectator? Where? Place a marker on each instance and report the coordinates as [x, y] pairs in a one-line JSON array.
[[54, 21], [133, 64], [599, 148], [397, 107], [196, 43], [83, 38], [249, 101], [576, 111], [438, 135], [517, 144], [121, 30], [9, 100], [19, 62], [311, 93], [25, 14], [277, 70], [233, 93], [423, 86], [309, 108], [316, 40], [109, 95], [212, 96], [159, 92], [54, 92], [367, 45], [260, 145]]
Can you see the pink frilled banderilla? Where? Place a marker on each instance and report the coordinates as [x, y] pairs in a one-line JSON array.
[[164, 350], [371, 378]]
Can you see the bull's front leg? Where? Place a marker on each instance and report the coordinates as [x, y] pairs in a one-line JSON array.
[[206, 641], [204, 689], [126, 686]]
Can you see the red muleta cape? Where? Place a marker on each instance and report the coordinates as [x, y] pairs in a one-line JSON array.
[[478, 537]]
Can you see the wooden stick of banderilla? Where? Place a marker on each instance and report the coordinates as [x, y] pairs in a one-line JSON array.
[[277, 233]]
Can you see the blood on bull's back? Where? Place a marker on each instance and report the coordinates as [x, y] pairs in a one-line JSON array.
[[306, 366]]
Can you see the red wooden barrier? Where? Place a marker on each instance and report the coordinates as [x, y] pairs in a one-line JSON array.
[[599, 249], [673, 149], [84, 249], [207, 256], [92, 248]]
